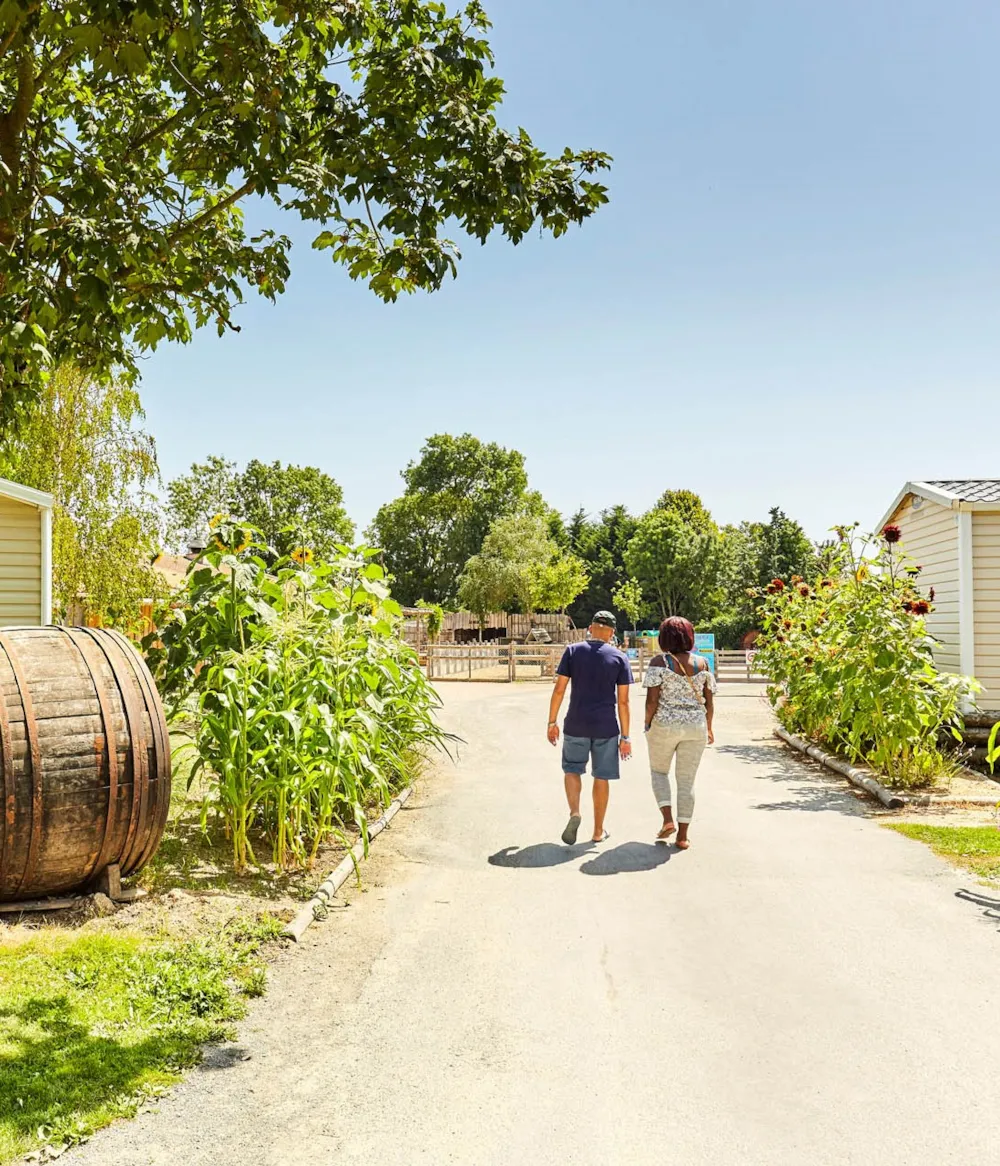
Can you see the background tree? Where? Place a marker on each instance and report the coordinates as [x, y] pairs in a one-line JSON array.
[[676, 565], [753, 554], [83, 444], [195, 498], [520, 567], [557, 583], [601, 544], [688, 507], [130, 135], [628, 598], [786, 550], [274, 497], [270, 497], [454, 492], [485, 586]]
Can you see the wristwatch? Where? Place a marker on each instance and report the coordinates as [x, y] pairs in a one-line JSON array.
[[551, 723], [629, 739]]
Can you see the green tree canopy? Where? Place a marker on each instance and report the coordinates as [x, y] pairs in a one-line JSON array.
[[271, 497], [601, 544], [196, 498], [275, 497], [83, 444], [454, 492], [688, 506], [521, 567], [628, 598], [131, 135], [675, 564], [753, 554]]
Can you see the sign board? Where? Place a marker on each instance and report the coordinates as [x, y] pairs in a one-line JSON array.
[[704, 645]]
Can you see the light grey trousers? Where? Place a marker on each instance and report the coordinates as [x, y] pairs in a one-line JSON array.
[[683, 745]]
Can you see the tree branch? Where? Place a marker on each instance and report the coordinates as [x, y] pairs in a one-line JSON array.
[[210, 212], [18, 25]]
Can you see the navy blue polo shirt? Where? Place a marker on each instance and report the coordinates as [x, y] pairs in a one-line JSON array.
[[595, 670]]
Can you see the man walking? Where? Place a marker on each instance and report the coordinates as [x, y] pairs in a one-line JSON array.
[[600, 676]]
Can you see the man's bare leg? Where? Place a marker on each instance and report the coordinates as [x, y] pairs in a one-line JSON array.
[[602, 791], [574, 787]]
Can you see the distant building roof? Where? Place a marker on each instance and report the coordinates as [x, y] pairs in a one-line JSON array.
[[971, 489]]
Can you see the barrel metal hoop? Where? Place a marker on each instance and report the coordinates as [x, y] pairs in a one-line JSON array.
[[101, 857], [161, 745], [35, 753], [137, 747], [8, 781]]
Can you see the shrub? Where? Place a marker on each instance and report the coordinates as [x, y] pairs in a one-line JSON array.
[[851, 662], [307, 706]]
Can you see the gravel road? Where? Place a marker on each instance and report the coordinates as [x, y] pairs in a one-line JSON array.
[[801, 987]]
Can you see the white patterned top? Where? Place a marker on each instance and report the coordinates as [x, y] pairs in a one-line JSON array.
[[678, 704]]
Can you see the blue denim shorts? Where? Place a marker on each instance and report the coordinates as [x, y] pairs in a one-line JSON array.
[[602, 751]]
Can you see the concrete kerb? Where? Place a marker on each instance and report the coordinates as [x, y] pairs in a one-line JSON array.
[[854, 775], [864, 780], [317, 905]]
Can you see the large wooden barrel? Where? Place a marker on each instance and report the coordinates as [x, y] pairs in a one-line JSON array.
[[84, 759]]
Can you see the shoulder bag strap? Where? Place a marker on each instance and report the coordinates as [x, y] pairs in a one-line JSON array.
[[691, 684]]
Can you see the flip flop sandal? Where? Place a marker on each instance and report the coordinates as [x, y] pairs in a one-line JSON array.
[[661, 837], [572, 827], [597, 841]]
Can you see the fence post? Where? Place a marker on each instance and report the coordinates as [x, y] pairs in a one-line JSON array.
[[430, 661], [748, 666]]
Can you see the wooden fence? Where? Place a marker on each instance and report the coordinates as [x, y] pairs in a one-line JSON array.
[[737, 666], [509, 662]]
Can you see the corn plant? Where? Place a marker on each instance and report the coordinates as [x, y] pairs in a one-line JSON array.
[[852, 665], [308, 708]]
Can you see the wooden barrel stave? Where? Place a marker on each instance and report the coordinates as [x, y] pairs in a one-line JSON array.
[[90, 714]]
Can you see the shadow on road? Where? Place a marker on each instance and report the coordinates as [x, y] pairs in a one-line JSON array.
[[627, 858], [538, 855], [991, 907], [824, 792]]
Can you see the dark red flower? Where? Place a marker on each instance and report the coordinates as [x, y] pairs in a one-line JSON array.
[[808, 660], [891, 533], [803, 590], [786, 624], [796, 578], [775, 586], [826, 583], [920, 607], [931, 596]]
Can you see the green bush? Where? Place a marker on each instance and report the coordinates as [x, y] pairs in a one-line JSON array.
[[307, 706], [851, 663]]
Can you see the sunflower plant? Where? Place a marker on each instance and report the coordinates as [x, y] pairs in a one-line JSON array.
[[851, 660], [307, 709]]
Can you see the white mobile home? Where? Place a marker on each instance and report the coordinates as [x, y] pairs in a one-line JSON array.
[[25, 555], [952, 529]]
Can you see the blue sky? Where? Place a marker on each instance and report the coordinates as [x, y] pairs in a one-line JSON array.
[[791, 300]]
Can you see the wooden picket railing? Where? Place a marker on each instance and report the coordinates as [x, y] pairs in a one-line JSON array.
[[509, 662]]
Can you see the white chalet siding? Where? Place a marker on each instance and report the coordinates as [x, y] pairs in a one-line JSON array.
[[930, 538], [20, 563], [986, 604]]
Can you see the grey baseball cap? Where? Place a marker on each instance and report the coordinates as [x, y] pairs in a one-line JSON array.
[[607, 618]]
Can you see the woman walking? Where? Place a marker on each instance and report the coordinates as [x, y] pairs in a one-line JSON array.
[[679, 711]]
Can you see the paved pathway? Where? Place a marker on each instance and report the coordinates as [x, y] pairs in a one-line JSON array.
[[802, 987]]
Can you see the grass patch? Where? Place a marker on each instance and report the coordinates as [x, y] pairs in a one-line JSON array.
[[974, 848], [92, 1025]]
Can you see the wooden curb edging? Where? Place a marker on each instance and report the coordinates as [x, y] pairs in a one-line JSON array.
[[854, 775], [342, 872]]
